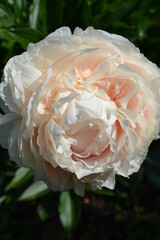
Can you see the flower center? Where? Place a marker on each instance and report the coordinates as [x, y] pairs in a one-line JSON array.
[[85, 138]]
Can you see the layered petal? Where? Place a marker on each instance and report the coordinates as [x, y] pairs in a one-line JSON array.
[[80, 108]]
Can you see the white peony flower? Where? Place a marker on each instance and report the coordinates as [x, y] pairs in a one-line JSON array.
[[80, 108]]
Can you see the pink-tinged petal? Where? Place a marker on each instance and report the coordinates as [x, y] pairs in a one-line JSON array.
[[80, 108]]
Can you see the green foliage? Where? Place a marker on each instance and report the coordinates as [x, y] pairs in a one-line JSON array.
[[34, 191], [42, 213], [69, 211], [29, 210], [2, 199], [21, 176]]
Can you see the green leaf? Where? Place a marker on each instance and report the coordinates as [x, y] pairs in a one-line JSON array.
[[6, 18], [34, 13], [42, 213], [22, 175], [30, 35], [6, 199], [69, 211], [2, 199], [37, 15], [20, 8], [10, 36], [23, 36], [34, 191]]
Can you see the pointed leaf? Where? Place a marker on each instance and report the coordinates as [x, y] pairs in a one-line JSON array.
[[2, 199], [34, 13], [38, 15], [34, 191], [69, 211], [22, 175]]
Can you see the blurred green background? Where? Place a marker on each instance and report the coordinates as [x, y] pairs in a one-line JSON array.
[[29, 210]]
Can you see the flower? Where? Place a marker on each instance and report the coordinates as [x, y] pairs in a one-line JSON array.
[[80, 108]]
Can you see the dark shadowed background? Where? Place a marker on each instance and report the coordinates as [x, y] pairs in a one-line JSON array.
[[29, 210]]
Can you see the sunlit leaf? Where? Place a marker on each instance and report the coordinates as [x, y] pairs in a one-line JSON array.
[[34, 191], [34, 14], [37, 15], [22, 175]]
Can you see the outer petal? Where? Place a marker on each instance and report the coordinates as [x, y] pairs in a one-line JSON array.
[[7, 123], [131, 55]]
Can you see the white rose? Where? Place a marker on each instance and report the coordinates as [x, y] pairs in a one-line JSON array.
[[80, 108]]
